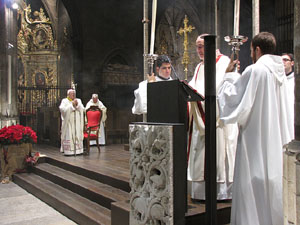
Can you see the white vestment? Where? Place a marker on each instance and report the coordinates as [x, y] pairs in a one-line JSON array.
[[291, 90], [140, 94], [258, 102], [102, 123], [72, 127], [226, 138]]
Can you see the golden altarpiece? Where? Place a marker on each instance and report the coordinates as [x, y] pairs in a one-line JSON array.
[[38, 59]]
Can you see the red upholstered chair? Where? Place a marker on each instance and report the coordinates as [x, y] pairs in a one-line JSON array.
[[92, 127]]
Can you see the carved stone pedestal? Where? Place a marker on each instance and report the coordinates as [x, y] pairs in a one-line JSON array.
[[157, 174], [291, 183]]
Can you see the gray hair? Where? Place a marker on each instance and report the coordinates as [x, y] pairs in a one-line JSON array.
[[203, 35], [94, 95], [70, 90]]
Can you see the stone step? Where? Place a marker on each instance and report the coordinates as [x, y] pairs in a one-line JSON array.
[[105, 179], [120, 213], [93, 190], [72, 205]]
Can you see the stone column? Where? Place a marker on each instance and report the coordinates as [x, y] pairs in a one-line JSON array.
[[3, 63], [291, 158], [8, 65]]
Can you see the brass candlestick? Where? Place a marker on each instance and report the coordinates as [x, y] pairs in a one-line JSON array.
[[151, 58]]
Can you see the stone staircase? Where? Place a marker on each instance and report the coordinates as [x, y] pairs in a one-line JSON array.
[[84, 196], [87, 197]]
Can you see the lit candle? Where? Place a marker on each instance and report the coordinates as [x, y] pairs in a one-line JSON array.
[[236, 24], [154, 6], [255, 17]]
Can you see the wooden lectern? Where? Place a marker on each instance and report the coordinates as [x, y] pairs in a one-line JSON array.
[[167, 101]]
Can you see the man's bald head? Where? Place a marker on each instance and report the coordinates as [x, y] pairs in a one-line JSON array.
[[200, 46]]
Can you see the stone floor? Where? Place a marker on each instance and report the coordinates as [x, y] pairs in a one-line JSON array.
[[18, 207]]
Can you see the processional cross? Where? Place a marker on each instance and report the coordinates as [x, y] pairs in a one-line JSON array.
[[185, 30]]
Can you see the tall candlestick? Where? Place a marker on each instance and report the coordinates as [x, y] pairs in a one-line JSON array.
[[154, 6], [236, 24], [255, 17], [9, 80]]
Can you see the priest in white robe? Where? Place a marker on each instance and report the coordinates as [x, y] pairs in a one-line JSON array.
[[72, 116], [94, 101], [288, 62], [258, 101], [226, 136], [163, 69]]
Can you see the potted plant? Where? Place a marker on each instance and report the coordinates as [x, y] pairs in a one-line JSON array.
[[16, 145]]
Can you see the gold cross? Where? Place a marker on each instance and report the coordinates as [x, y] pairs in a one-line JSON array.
[[185, 30]]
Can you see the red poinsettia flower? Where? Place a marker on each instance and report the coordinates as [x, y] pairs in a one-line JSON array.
[[17, 134]]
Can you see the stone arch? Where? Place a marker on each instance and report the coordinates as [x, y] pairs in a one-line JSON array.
[[117, 56], [118, 69]]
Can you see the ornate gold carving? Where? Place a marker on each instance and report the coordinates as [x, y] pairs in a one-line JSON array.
[[185, 30], [42, 37], [22, 43], [36, 17], [43, 76], [37, 50], [39, 78], [36, 32]]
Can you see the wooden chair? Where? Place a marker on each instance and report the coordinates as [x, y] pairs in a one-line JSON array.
[[92, 126]]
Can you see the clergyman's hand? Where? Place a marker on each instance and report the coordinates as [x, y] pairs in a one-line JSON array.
[[75, 102], [151, 78], [233, 63]]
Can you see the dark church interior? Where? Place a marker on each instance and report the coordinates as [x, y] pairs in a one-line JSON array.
[[99, 47], [50, 46]]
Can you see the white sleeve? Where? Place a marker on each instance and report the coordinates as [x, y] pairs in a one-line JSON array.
[[80, 106], [103, 108], [140, 101], [236, 96], [65, 108]]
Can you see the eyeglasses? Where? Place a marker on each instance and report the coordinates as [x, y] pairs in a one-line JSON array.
[[286, 60]]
